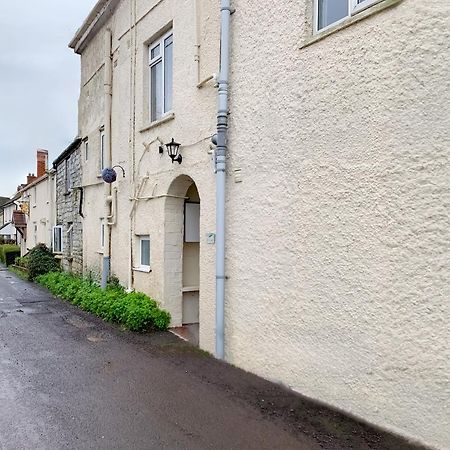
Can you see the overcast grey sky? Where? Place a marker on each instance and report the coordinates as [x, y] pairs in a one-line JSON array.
[[39, 83]]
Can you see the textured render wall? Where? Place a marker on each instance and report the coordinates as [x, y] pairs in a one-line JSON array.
[[338, 245], [40, 198], [136, 150], [67, 212], [90, 121]]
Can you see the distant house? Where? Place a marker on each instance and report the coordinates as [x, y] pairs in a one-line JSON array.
[[8, 233], [35, 216], [67, 233], [3, 201]]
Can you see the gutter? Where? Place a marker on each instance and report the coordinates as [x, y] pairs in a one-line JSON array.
[[96, 18], [221, 153], [67, 152]]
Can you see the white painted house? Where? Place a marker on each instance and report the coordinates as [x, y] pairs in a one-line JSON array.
[[337, 187]]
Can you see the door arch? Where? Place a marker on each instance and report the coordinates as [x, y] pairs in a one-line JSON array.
[[182, 256]]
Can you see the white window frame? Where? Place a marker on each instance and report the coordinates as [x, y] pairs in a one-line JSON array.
[[144, 267], [102, 234], [102, 150], [152, 62], [353, 8], [60, 228]]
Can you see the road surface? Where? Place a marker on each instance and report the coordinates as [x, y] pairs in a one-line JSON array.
[[70, 381]]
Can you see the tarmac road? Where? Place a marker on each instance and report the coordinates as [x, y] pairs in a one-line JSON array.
[[70, 381]]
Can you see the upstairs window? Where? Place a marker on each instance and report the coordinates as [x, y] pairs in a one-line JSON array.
[[68, 168], [102, 150], [86, 150], [330, 12], [161, 76]]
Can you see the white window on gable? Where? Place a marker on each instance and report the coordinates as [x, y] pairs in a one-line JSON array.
[[57, 242], [102, 150], [331, 12], [144, 253], [161, 76]]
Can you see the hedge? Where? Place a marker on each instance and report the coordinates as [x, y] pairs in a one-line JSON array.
[[8, 253], [134, 311]]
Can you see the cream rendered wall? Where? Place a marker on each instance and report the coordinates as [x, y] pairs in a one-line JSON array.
[[91, 121], [338, 237], [40, 197], [135, 147]]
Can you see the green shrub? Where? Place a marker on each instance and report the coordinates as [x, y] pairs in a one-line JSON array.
[[41, 261], [21, 262], [135, 311], [8, 253]]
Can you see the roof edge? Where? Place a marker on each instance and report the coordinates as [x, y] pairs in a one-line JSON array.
[[84, 32], [34, 183], [68, 151]]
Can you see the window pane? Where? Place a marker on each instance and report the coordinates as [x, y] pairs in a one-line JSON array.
[[331, 11], [168, 73], [156, 91], [57, 239], [145, 252], [155, 52], [102, 151]]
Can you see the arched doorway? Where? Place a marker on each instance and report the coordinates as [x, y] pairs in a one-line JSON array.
[[182, 257]]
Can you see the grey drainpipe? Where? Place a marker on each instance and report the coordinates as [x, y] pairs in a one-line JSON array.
[[221, 152], [107, 158]]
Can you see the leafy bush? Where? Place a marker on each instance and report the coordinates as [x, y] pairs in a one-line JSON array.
[[21, 262], [41, 261], [8, 253], [135, 311]]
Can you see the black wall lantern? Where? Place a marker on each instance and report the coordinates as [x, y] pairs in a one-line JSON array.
[[172, 150]]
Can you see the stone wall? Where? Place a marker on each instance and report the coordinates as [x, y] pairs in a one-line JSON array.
[[67, 211]]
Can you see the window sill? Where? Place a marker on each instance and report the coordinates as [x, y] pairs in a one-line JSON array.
[[357, 17], [100, 252], [166, 118], [190, 289], [142, 269]]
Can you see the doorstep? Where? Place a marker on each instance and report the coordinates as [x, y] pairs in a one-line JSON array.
[[188, 332]]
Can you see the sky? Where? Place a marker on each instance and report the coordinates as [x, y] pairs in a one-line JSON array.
[[39, 83]]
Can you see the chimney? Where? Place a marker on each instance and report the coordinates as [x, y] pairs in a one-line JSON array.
[[30, 178], [42, 162]]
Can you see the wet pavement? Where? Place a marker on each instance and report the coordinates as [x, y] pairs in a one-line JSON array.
[[70, 381]]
